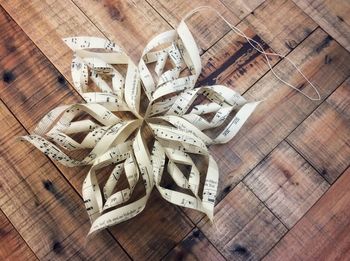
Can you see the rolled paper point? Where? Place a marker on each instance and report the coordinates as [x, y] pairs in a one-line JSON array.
[[157, 96]]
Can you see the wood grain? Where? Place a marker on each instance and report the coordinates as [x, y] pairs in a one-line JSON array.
[[286, 183], [233, 62], [47, 22], [323, 138], [243, 227], [41, 205], [12, 245], [195, 246], [206, 27], [18, 96], [131, 24], [227, 63], [332, 16], [28, 98], [242, 8], [41, 212], [155, 231], [30, 86], [324, 232], [284, 109], [282, 24]]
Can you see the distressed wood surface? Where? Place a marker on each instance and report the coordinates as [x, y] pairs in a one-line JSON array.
[[47, 22], [244, 228], [283, 109], [12, 245], [323, 138], [281, 24], [286, 183], [272, 174], [332, 16], [195, 246], [131, 24], [242, 8], [205, 26], [324, 232], [154, 233], [41, 205], [233, 62], [17, 93]]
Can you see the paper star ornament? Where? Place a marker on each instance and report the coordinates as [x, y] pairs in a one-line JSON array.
[[145, 121]]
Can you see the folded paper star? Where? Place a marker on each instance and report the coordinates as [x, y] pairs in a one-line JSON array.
[[145, 121]]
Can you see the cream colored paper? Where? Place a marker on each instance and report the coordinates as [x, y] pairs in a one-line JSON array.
[[166, 75]]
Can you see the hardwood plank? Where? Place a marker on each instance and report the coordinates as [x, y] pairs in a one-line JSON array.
[[47, 22], [205, 25], [243, 227], [30, 98], [323, 138], [195, 246], [324, 232], [12, 245], [282, 24], [154, 232], [283, 109], [242, 8], [41, 205], [332, 16], [131, 24], [226, 63], [287, 184], [30, 85], [56, 26], [233, 62], [136, 253]]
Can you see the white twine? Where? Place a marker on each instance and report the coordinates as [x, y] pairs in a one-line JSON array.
[[257, 46]]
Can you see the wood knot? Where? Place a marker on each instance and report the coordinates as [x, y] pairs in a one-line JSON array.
[[48, 185], [61, 80], [115, 13], [227, 189], [286, 173], [196, 233], [325, 43], [324, 172], [8, 76], [57, 247], [327, 59], [291, 44], [10, 46], [341, 19], [241, 250]]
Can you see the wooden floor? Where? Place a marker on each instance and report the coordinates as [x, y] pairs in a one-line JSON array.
[[284, 189]]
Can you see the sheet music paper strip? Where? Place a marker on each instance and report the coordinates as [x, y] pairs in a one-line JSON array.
[[176, 114]]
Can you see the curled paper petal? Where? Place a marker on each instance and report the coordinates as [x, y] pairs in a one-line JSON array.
[[146, 123]]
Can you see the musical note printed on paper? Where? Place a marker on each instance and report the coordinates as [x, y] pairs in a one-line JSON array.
[[123, 102]]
